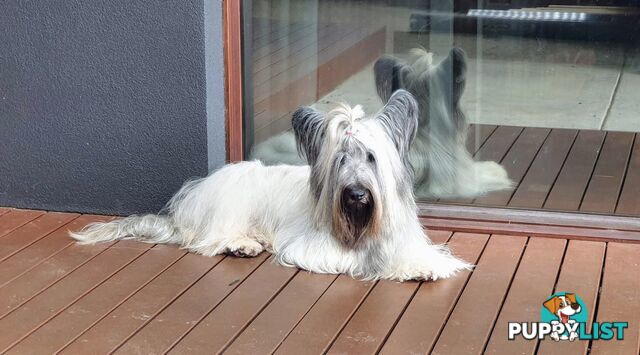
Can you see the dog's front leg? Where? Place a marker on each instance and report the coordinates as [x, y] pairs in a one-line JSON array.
[[423, 261]]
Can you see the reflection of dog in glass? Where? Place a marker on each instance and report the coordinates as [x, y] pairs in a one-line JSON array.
[[563, 307], [443, 166]]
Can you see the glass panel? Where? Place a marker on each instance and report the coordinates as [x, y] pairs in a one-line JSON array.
[[523, 104]]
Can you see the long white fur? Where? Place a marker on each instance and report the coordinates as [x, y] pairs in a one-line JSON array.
[[249, 207], [443, 166]]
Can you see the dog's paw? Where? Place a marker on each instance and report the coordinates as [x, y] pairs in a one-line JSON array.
[[492, 176], [447, 266], [244, 247], [439, 265]]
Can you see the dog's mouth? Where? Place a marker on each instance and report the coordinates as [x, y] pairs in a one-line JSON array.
[[357, 208], [564, 318]]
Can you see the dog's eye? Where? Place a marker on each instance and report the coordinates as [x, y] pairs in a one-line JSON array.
[[343, 160], [371, 158]]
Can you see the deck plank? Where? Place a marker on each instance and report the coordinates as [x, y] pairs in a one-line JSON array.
[[494, 149], [4, 210], [31, 232], [580, 274], [333, 310], [135, 312], [15, 325], [270, 327], [38, 252], [419, 327], [173, 322], [536, 184], [498, 144], [64, 327], [477, 309], [367, 330], [516, 163], [37, 279], [14, 219], [620, 298], [567, 191], [477, 136], [232, 316], [533, 283], [326, 317], [629, 203], [606, 182]]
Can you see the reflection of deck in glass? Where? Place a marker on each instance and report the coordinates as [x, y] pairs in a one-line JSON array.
[[562, 169], [297, 63]]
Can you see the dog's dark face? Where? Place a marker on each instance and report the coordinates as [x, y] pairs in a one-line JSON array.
[[437, 88], [357, 162]]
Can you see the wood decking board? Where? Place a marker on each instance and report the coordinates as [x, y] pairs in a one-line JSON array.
[[619, 298], [33, 231], [416, 332], [336, 307], [173, 322], [230, 318], [493, 148], [41, 250], [532, 284], [272, 325], [574, 176], [132, 297], [477, 136], [370, 325], [87, 311], [629, 202], [44, 306], [14, 219], [19, 290], [580, 274], [480, 302], [560, 169], [536, 184], [608, 175], [138, 310], [517, 162]]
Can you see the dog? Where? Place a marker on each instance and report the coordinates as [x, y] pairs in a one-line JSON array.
[[443, 166], [563, 307], [351, 210]]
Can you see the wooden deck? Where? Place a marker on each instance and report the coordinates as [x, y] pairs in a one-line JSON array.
[[562, 169], [128, 297], [297, 63]]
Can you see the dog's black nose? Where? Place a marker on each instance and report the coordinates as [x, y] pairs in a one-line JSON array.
[[356, 193], [575, 306]]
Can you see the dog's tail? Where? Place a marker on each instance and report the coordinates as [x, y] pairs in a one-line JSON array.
[[148, 228]]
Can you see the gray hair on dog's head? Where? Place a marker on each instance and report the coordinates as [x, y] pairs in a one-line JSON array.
[[355, 161]]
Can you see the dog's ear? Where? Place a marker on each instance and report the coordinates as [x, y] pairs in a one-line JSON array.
[[388, 73], [308, 127], [571, 297], [400, 119], [553, 305], [454, 68]]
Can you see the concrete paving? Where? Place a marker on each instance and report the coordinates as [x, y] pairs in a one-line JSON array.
[[522, 82]]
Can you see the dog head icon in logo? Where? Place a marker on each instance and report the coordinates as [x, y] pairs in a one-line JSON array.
[[564, 308]]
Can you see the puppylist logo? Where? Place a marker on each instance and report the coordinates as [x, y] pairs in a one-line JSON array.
[[564, 318]]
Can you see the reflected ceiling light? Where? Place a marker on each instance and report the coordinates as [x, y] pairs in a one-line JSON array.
[[529, 15]]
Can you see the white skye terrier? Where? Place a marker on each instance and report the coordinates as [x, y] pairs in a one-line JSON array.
[[443, 166], [351, 210]]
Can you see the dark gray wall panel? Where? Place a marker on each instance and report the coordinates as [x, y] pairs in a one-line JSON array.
[[103, 105]]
